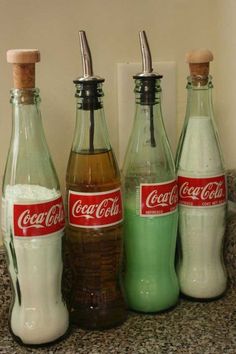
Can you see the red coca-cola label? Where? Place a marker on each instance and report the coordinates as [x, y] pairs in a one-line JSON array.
[[38, 219], [95, 209], [158, 199], [202, 192]]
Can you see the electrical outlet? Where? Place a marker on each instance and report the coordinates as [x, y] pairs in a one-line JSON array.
[[126, 101]]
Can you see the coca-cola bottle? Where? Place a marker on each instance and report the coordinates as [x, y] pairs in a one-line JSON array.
[[150, 200], [202, 189], [94, 232], [32, 216]]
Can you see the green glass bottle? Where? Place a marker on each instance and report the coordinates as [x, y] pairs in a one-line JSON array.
[[202, 189], [150, 200]]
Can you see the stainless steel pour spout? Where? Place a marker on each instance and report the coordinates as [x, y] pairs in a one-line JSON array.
[[86, 55], [147, 70], [86, 60], [147, 83], [146, 54]]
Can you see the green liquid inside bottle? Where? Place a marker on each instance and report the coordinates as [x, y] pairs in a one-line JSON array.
[[150, 280]]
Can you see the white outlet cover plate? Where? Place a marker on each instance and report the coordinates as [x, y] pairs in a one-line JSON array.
[[126, 101]]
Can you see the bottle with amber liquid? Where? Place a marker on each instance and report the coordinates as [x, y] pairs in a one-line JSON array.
[[94, 204]]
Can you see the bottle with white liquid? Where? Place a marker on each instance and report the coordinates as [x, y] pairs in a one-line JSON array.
[[32, 216], [202, 189]]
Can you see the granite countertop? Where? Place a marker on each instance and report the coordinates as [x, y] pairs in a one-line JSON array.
[[189, 328]]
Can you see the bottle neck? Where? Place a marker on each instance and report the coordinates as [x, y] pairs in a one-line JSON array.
[[148, 158], [26, 117], [148, 108], [199, 152], [91, 134], [28, 161], [199, 101]]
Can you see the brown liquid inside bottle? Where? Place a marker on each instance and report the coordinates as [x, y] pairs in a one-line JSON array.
[[95, 253]]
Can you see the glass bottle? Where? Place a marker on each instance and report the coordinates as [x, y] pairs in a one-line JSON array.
[[32, 216], [150, 200], [94, 233], [202, 189]]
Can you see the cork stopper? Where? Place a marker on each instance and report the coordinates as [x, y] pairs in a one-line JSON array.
[[23, 61], [199, 62]]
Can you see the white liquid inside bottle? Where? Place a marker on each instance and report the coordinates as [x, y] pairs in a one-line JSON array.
[[201, 270], [39, 314]]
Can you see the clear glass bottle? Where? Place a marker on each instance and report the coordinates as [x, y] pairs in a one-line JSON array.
[[150, 201], [32, 216], [94, 232], [202, 189]]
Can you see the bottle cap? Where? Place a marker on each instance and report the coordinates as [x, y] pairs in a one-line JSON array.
[[199, 62], [23, 61]]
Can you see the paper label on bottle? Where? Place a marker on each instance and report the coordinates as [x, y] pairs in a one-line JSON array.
[[92, 210], [202, 192], [158, 199], [38, 219]]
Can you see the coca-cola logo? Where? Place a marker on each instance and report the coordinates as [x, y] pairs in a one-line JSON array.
[[38, 219], [95, 209], [209, 191], [156, 198], [106, 208], [159, 198]]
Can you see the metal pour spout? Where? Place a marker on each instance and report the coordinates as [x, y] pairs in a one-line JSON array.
[[86, 61], [146, 53], [147, 70], [147, 83], [86, 55]]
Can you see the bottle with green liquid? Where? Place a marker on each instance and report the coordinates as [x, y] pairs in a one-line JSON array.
[[150, 200]]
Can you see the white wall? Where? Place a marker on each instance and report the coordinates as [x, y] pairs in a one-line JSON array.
[[173, 26], [225, 65]]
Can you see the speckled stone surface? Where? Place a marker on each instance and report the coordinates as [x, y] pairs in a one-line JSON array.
[[231, 182], [199, 328], [230, 248], [189, 328]]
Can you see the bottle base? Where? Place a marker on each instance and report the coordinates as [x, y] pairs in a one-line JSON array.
[[43, 345], [97, 320], [154, 312], [203, 299]]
